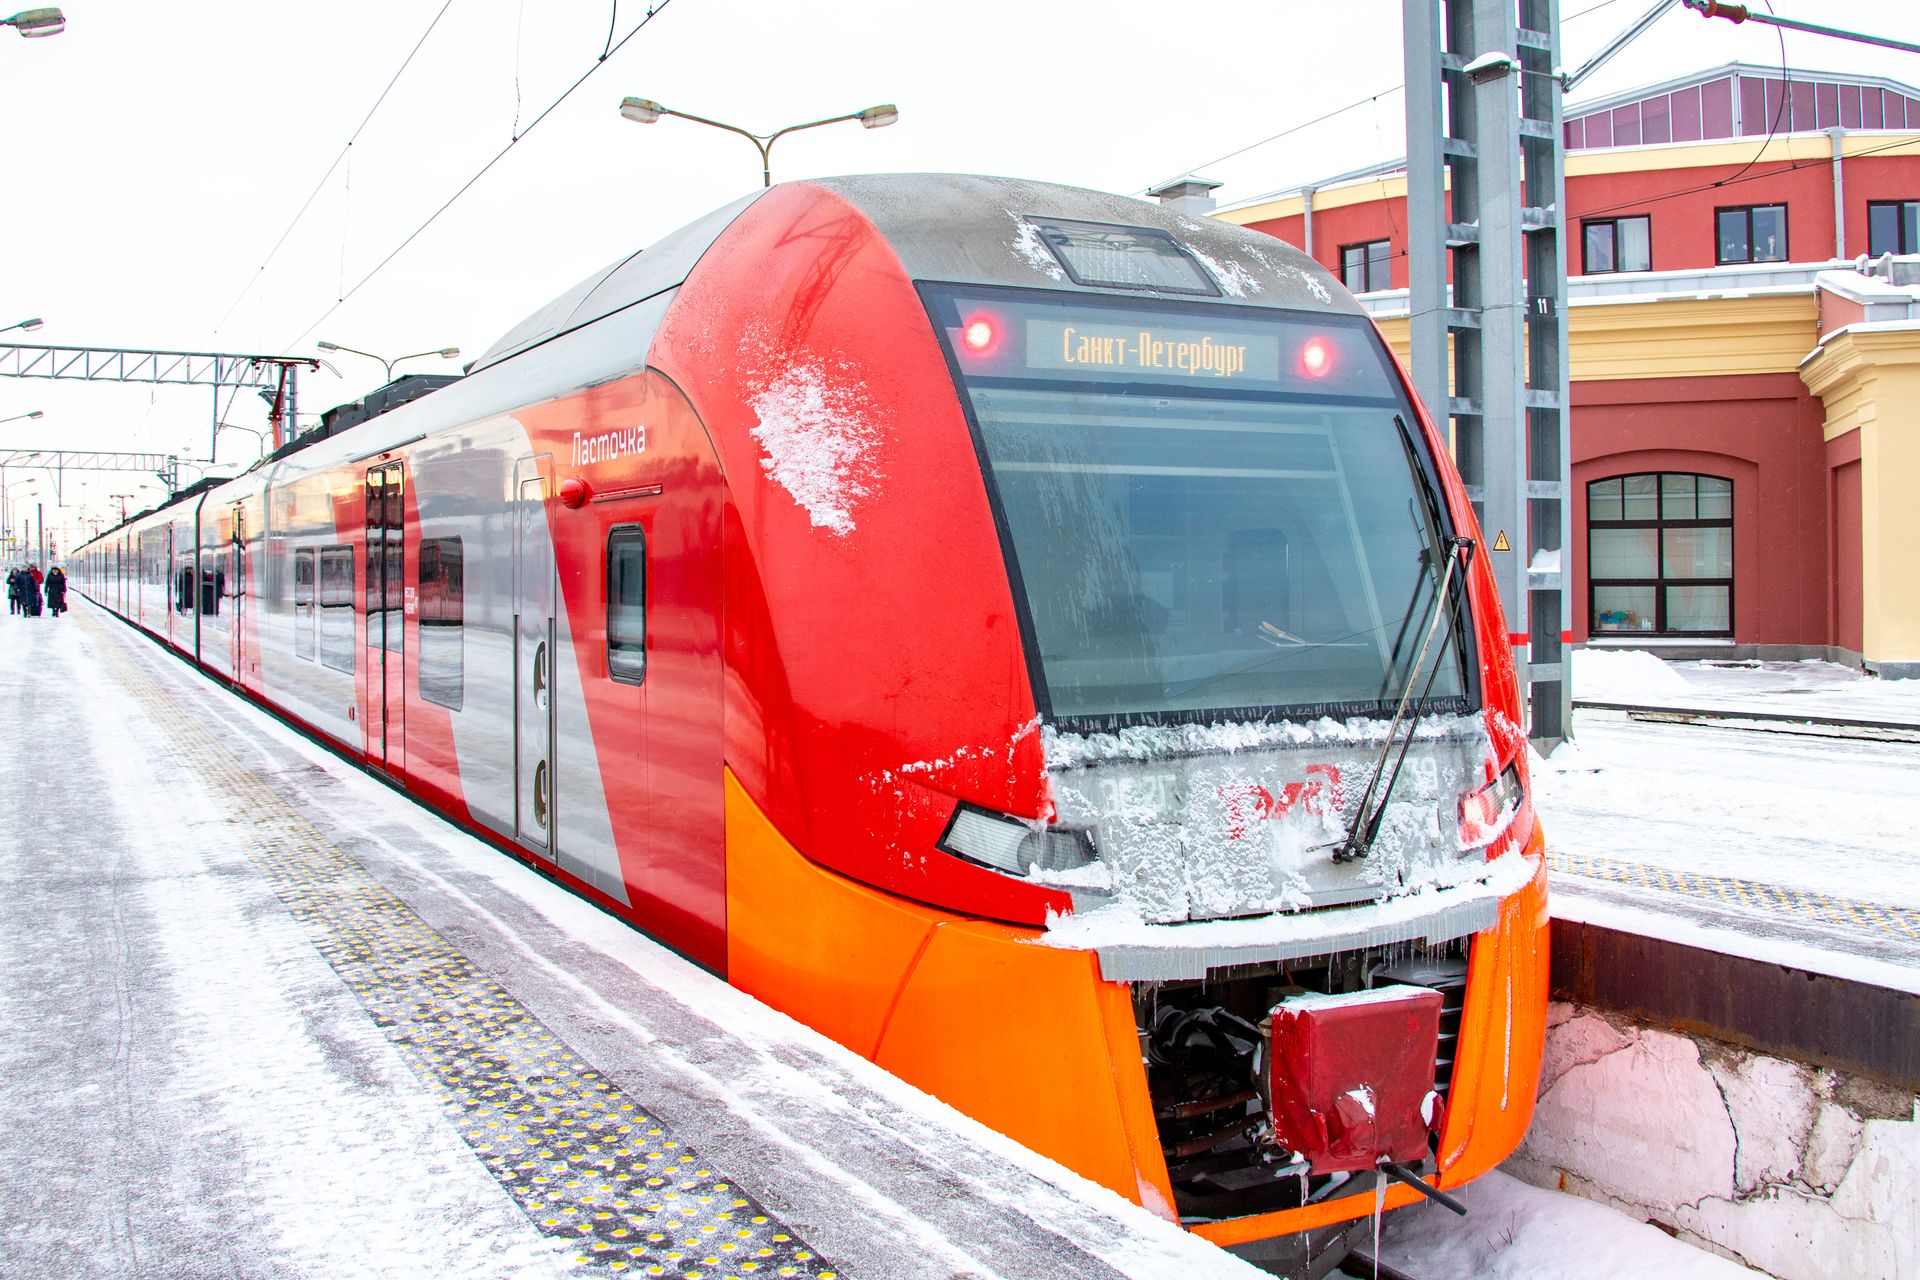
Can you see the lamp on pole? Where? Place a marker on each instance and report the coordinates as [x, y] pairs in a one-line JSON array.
[[28, 325], [7, 508], [259, 439], [647, 111], [445, 353], [31, 413], [36, 23]]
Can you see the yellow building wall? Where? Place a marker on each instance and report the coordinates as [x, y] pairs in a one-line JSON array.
[[1674, 337], [1869, 380]]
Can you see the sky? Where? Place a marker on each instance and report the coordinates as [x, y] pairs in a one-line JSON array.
[[237, 177]]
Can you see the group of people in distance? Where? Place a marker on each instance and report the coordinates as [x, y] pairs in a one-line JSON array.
[[29, 591]]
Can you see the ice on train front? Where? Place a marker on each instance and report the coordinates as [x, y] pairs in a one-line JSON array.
[[1251, 623]]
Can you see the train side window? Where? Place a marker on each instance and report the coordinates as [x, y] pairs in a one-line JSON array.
[[442, 598], [303, 604], [627, 604], [336, 608]]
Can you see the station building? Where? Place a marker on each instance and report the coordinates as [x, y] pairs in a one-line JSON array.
[[1744, 319]]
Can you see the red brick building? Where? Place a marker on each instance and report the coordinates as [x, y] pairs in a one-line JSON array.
[[1744, 318]]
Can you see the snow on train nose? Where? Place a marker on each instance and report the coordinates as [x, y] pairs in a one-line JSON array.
[[1350, 1078]]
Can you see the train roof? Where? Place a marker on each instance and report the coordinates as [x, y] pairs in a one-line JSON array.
[[972, 229], [955, 228], [961, 228]]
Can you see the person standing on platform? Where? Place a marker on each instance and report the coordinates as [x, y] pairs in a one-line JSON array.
[[57, 590], [33, 590], [16, 596]]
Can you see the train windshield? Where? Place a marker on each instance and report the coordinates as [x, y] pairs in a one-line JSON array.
[[1210, 511]]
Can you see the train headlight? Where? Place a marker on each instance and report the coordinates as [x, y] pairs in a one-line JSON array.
[[1013, 846], [1487, 813]]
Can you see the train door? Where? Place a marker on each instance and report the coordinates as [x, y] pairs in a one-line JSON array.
[[237, 587], [533, 637], [384, 655]]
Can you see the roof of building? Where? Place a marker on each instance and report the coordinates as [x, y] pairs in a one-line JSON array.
[[1673, 111], [1741, 100]]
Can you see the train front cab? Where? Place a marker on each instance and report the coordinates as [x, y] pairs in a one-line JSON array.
[[839, 909]]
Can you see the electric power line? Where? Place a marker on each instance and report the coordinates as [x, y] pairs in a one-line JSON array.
[[1305, 124], [318, 186], [652, 12]]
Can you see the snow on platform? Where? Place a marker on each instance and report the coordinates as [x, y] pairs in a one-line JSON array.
[[1517, 1232], [1784, 848], [265, 1017]]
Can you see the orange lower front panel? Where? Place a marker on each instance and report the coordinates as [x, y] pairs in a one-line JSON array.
[[1023, 1038], [1030, 1041]]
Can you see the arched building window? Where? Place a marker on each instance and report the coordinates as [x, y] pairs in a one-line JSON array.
[[1660, 555]]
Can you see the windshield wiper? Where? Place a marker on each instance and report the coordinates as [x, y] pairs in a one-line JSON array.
[[1454, 551]]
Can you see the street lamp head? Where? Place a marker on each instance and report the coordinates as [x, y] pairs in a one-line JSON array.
[[641, 110], [879, 117], [35, 23], [35, 413], [448, 353], [324, 345]]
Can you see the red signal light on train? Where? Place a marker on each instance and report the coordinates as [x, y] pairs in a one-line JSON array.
[[1316, 357], [979, 334]]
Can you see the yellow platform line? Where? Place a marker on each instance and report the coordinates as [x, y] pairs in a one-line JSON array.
[[585, 1161], [1765, 898]]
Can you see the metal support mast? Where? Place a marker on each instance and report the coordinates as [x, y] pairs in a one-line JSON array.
[[276, 377], [1484, 127]]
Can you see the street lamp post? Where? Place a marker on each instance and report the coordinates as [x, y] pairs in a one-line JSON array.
[[36, 23], [445, 353], [259, 439], [31, 413], [646, 111]]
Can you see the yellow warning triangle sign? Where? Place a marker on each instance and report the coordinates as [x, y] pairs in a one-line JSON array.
[[1500, 542]]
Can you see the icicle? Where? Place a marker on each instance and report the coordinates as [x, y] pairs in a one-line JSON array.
[[1379, 1212]]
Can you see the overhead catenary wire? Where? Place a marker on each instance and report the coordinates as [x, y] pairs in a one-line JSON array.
[[345, 151], [653, 11], [1337, 111]]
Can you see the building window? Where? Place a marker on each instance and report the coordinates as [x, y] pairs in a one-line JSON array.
[[1893, 226], [627, 604], [442, 594], [1660, 555], [1756, 233], [1364, 267], [1616, 244]]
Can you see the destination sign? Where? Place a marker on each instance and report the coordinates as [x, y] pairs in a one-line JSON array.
[[1076, 346]]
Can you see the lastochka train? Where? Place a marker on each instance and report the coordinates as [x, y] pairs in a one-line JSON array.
[[1033, 637]]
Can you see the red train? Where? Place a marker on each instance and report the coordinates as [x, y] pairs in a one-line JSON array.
[[1031, 636]]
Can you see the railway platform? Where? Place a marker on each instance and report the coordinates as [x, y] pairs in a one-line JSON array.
[[264, 1017]]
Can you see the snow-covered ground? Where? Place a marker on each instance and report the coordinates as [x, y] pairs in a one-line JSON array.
[[1513, 1231], [1790, 848], [192, 1089], [1812, 688]]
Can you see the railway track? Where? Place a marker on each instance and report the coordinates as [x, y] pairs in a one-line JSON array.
[[1811, 726]]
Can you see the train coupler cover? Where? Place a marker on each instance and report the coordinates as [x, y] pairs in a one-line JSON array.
[[1350, 1077]]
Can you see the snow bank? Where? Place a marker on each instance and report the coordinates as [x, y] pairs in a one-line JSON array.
[[1625, 675], [1517, 1232]]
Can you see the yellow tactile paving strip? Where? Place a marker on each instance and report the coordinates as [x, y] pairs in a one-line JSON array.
[[1751, 895], [586, 1162]]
